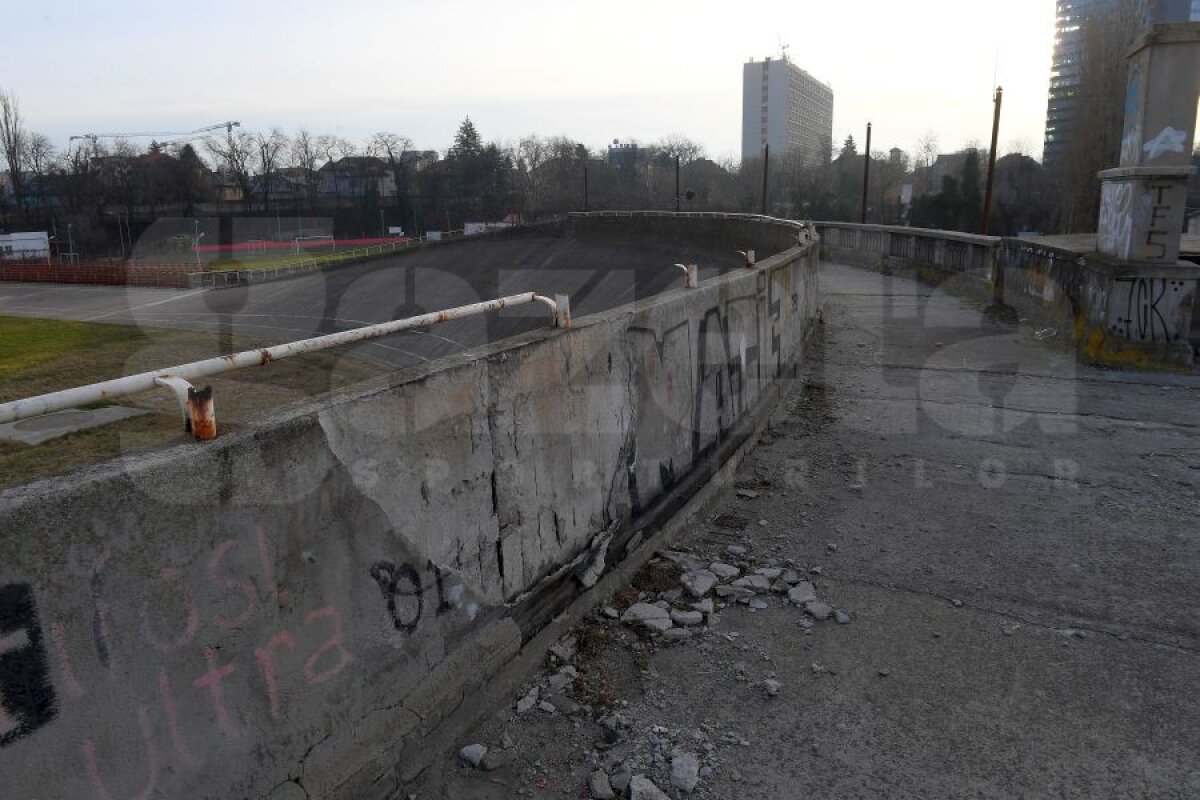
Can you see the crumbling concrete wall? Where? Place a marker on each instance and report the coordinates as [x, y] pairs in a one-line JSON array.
[[280, 612]]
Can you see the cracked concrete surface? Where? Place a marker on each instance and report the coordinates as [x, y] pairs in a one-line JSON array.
[[1017, 539]]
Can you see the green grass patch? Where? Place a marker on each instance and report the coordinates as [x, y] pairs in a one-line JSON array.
[[38, 356], [29, 343]]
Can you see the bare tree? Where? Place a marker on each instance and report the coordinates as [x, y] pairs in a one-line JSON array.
[[676, 145], [234, 154], [927, 153], [392, 147], [13, 144], [40, 157], [305, 154], [333, 147], [269, 151]]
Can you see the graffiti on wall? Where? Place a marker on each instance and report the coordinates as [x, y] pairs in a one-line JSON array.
[[27, 700], [223, 648], [1148, 309], [1116, 219]]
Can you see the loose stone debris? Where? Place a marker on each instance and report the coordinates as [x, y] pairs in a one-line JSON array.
[[628, 753]]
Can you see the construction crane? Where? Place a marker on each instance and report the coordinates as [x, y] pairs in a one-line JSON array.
[[169, 137]]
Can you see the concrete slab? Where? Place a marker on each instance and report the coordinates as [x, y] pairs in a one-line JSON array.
[[51, 426]]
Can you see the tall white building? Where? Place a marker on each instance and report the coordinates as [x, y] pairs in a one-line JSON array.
[[785, 107]]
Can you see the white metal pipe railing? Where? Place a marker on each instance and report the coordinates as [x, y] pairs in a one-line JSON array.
[[176, 377]]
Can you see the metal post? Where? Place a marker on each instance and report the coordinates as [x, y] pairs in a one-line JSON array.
[[866, 174], [585, 188], [677, 184], [766, 167], [987, 195]]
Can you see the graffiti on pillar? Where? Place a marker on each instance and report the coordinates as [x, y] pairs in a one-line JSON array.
[[1169, 140], [1159, 232], [27, 699], [1116, 218], [1147, 309]]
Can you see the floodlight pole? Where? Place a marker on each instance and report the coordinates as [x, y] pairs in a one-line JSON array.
[[987, 195], [866, 174]]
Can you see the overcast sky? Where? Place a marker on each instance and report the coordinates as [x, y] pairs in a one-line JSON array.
[[593, 71]]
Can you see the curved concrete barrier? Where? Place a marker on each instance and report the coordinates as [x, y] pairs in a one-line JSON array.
[[289, 611]]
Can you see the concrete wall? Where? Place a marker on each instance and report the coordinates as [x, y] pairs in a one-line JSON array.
[[281, 612], [1116, 314]]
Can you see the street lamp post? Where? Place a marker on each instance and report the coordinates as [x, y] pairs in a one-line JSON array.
[[196, 243]]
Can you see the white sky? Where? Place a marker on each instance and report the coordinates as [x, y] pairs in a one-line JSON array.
[[590, 70]]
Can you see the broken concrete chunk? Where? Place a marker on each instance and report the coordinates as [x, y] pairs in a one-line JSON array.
[[802, 593], [770, 573], [658, 625], [687, 618], [640, 612], [734, 591], [473, 754], [705, 606], [642, 788], [724, 571], [698, 582], [565, 648], [600, 787], [621, 777], [819, 610], [756, 583], [685, 771], [527, 702]]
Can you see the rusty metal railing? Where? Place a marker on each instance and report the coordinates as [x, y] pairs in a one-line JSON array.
[[197, 404]]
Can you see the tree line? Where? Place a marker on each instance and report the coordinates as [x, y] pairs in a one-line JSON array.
[[108, 190]]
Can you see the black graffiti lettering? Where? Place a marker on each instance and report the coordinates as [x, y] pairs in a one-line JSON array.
[[440, 582], [1151, 236], [27, 699], [1144, 319], [389, 577], [398, 583]]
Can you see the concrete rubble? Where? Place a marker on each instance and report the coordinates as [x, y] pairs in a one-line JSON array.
[[629, 752]]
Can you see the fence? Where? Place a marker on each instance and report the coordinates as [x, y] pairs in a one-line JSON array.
[[129, 273]]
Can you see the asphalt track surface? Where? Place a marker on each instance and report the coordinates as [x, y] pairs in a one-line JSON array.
[[597, 272]]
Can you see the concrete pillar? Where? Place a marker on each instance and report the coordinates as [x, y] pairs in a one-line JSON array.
[[1150, 294], [1143, 200]]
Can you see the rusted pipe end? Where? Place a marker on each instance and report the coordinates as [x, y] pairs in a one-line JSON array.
[[562, 314], [201, 413]]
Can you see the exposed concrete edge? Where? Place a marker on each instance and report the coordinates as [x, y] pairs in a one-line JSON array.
[[660, 527]]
